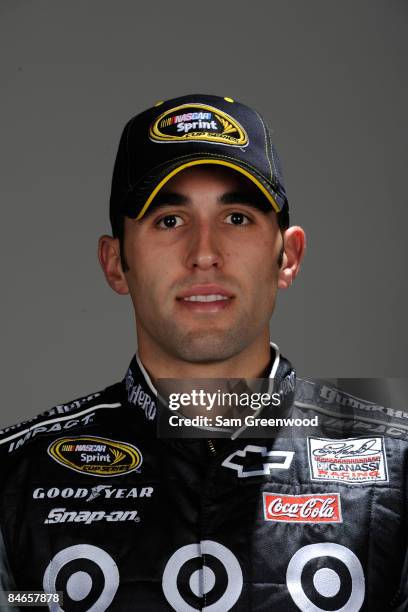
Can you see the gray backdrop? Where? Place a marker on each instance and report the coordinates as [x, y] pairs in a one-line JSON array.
[[330, 78]]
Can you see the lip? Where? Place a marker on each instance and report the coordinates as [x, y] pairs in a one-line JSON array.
[[205, 308], [205, 290]]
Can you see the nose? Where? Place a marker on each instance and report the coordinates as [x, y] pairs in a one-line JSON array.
[[204, 250]]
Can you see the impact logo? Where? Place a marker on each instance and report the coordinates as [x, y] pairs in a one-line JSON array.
[[351, 460], [198, 122], [49, 428], [96, 456]]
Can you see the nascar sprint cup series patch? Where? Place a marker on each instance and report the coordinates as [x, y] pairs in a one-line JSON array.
[[198, 122]]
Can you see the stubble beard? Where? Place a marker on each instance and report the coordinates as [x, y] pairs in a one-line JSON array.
[[210, 345]]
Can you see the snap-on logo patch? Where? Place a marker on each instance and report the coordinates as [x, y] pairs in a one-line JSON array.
[[96, 456], [324, 508], [351, 460], [198, 122]]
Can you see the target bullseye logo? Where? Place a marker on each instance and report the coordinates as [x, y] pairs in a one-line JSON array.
[[207, 575], [94, 583], [195, 570], [323, 575]]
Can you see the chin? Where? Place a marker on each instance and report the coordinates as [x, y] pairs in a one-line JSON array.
[[209, 346]]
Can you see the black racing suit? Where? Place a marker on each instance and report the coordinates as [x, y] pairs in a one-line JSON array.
[[95, 506]]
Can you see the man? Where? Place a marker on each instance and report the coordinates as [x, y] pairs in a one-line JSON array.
[[99, 506]]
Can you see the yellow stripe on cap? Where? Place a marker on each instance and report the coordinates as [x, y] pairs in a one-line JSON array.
[[197, 162]]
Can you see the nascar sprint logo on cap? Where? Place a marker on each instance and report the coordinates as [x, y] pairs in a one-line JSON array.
[[198, 122], [96, 456]]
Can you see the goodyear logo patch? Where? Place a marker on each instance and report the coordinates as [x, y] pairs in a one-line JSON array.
[[198, 122], [96, 456]]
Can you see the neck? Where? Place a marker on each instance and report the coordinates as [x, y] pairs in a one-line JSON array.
[[249, 363]]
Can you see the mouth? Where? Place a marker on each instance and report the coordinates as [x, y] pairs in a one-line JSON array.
[[205, 298]]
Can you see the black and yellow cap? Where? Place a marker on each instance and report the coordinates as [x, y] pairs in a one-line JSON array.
[[187, 131]]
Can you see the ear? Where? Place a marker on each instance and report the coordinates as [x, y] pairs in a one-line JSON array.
[[294, 243], [109, 258]]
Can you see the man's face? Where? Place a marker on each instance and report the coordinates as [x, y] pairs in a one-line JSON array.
[[203, 266]]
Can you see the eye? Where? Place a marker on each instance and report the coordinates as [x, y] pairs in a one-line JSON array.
[[169, 222], [237, 218]]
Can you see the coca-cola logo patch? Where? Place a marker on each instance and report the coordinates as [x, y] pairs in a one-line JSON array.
[[325, 508]]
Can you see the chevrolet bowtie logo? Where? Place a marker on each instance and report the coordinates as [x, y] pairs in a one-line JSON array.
[[258, 461]]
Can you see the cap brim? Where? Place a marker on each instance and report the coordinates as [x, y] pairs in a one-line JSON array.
[[220, 162]]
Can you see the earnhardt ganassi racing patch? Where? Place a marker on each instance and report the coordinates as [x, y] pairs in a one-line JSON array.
[[351, 460]]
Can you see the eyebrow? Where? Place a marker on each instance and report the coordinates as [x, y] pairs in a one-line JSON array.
[[170, 198]]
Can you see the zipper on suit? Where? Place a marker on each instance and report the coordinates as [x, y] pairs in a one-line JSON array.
[[211, 447]]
